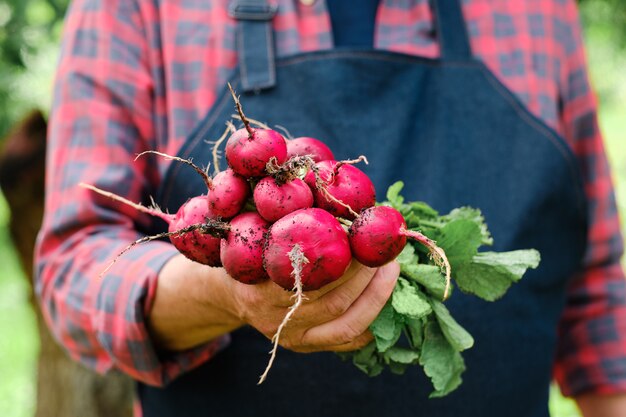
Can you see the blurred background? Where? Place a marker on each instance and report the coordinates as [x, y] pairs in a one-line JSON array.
[[29, 39]]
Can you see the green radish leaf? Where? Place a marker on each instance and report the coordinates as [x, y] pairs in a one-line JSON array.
[[476, 216], [412, 220], [422, 211], [460, 240], [397, 368], [458, 337], [401, 355], [434, 337], [408, 300], [393, 195], [398, 359], [442, 363], [490, 274], [415, 332], [366, 359], [386, 328], [407, 256], [515, 263], [429, 276]]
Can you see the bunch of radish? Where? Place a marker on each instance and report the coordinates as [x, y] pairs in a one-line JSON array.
[[287, 211]]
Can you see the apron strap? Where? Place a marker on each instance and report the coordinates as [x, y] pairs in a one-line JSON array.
[[255, 43], [452, 30]]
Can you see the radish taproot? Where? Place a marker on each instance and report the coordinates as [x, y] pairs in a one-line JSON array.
[[312, 147], [275, 199], [248, 150], [378, 235], [341, 188], [283, 191], [242, 249], [228, 194], [323, 241], [196, 245], [305, 250], [194, 230]]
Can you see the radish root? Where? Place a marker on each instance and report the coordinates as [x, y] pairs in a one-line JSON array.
[[257, 123], [242, 117], [285, 131], [212, 227], [205, 177], [215, 228], [153, 211], [361, 158], [329, 197], [437, 255], [294, 167], [216, 146], [321, 185], [297, 258]]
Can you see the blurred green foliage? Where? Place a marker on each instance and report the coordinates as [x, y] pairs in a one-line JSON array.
[[29, 37], [19, 344], [604, 23]]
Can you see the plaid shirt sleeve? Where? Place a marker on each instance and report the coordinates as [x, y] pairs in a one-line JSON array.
[[101, 118], [591, 354]]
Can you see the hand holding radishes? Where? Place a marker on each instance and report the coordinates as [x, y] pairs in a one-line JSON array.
[[195, 303], [295, 221], [333, 318]]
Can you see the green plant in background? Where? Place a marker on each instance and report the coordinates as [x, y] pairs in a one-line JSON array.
[[29, 37], [18, 332], [605, 32]]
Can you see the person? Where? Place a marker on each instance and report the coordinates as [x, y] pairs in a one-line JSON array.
[[469, 103]]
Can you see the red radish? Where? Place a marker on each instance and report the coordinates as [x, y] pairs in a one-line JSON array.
[[195, 245], [312, 147], [323, 242], [193, 230], [379, 234], [248, 150], [298, 260], [376, 235], [228, 194], [305, 250], [275, 199], [242, 249], [344, 190]]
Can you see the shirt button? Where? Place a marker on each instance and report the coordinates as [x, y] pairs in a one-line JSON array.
[[307, 2]]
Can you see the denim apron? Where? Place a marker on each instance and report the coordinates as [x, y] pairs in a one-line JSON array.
[[456, 136]]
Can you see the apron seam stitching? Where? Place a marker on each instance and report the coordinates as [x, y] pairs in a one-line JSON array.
[[537, 125]]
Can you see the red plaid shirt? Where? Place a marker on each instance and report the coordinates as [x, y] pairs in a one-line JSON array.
[[137, 75]]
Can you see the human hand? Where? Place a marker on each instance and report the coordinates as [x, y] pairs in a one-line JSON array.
[[333, 318], [195, 303]]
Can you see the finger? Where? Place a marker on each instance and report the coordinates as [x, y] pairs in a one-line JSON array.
[[284, 298], [326, 308], [361, 313], [360, 342], [266, 293], [352, 270], [280, 297], [336, 302]]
